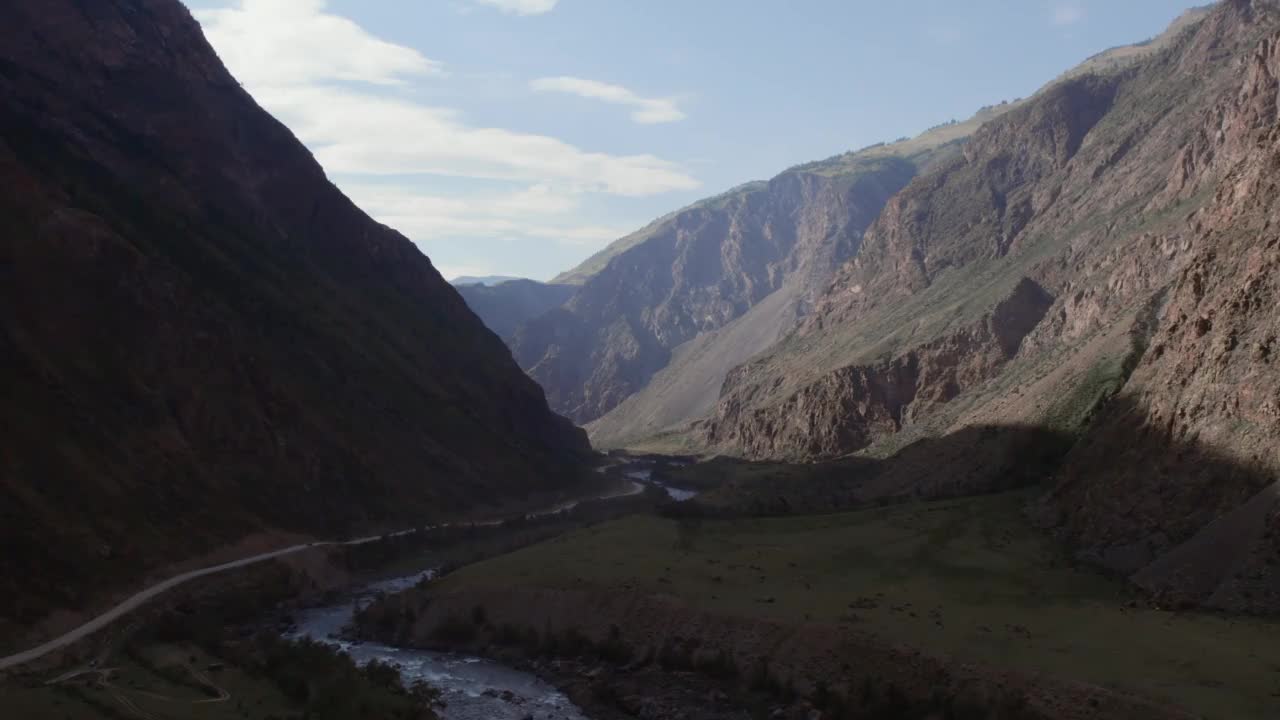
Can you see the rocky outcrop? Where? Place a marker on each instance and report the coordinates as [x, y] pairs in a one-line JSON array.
[[850, 407], [505, 306], [1177, 485], [202, 338]]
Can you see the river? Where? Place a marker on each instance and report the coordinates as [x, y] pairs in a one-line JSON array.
[[645, 477], [473, 688]]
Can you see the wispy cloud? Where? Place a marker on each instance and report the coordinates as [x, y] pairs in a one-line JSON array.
[[274, 43], [1067, 14], [537, 212], [334, 84], [521, 7], [646, 110], [361, 133], [351, 97]]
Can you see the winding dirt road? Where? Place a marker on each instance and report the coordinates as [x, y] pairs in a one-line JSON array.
[[144, 596]]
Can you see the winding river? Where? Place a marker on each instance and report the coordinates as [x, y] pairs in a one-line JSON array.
[[645, 477], [473, 688]]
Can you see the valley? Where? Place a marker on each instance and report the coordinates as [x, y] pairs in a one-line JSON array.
[[981, 423]]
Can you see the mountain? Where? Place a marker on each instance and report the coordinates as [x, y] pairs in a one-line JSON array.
[[203, 341], [1099, 261], [482, 280], [637, 355], [507, 305], [687, 386], [766, 245], [695, 273]]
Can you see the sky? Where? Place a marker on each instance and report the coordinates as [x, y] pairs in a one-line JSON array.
[[518, 137]]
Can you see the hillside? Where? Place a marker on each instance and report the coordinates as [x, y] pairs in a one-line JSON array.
[[687, 386], [702, 289], [1098, 262], [203, 340], [627, 362], [505, 306], [696, 272]]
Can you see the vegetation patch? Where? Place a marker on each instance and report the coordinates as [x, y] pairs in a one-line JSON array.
[[969, 578]]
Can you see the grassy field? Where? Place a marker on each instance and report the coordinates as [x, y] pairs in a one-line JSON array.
[[967, 578], [153, 683]]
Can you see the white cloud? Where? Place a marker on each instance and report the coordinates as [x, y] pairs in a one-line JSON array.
[[521, 7], [451, 271], [272, 43], [351, 97], [647, 110], [529, 213], [359, 133], [1067, 14], [307, 82]]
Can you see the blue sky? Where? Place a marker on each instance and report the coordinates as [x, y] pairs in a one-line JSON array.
[[517, 137]]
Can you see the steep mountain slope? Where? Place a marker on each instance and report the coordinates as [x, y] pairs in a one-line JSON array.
[[504, 306], [1179, 485], [1098, 261], [593, 265], [629, 376], [202, 338], [688, 385], [696, 272]]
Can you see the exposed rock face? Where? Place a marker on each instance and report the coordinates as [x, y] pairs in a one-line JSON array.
[[504, 306], [1140, 205], [695, 273], [1179, 484], [1059, 191], [851, 406], [201, 337]]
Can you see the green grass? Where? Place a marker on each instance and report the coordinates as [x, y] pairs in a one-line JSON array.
[[143, 681], [967, 578]]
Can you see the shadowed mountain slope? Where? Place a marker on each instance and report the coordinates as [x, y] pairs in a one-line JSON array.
[[202, 338]]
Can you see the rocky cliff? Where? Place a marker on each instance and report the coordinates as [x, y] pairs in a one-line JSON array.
[[695, 273], [1179, 484], [202, 338], [1099, 261], [616, 361]]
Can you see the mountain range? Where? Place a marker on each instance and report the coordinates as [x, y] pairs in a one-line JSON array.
[[1095, 261], [208, 349]]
